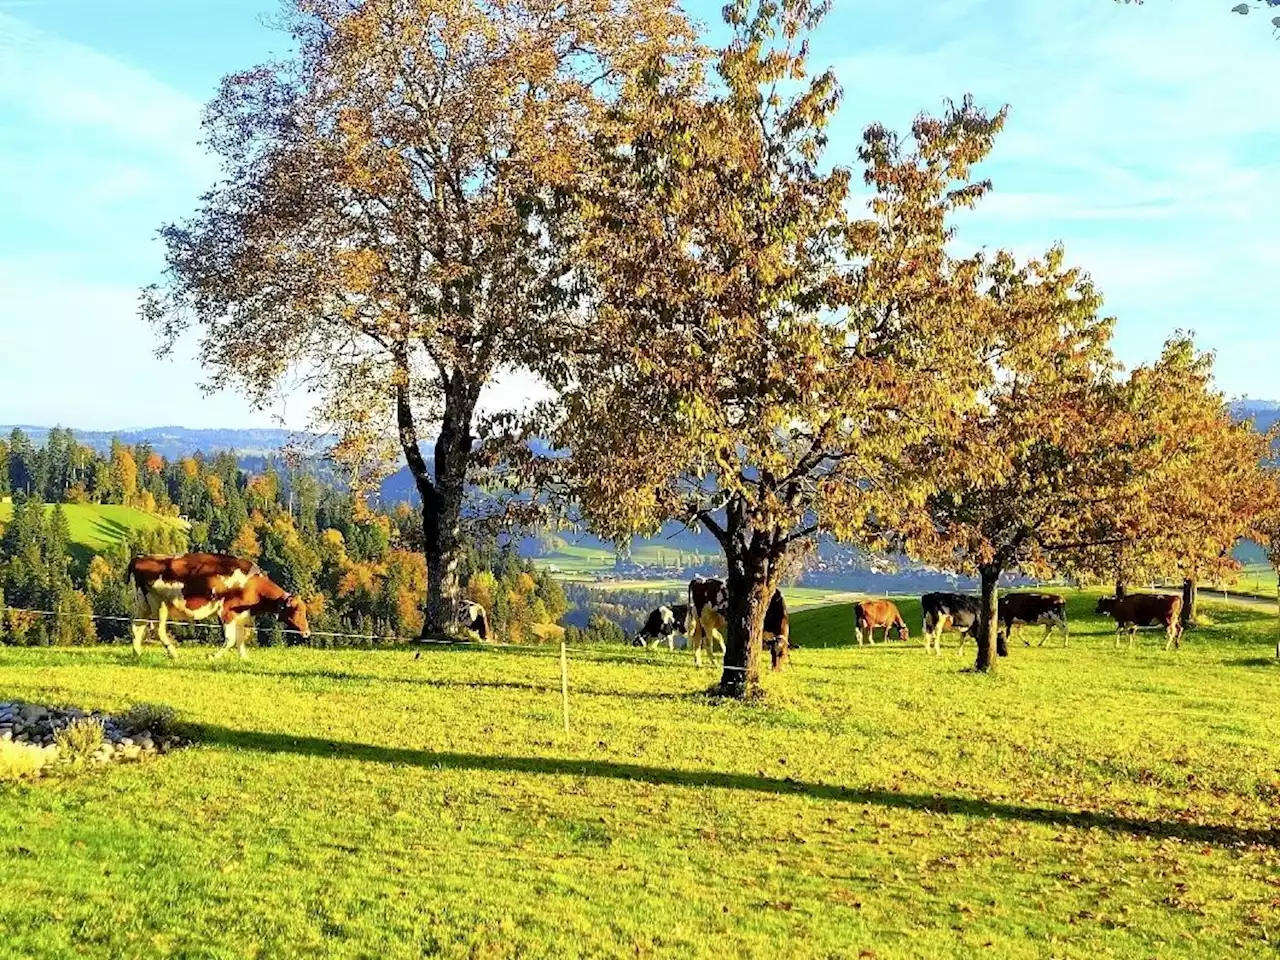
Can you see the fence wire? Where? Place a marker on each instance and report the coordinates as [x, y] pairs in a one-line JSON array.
[[527, 649]]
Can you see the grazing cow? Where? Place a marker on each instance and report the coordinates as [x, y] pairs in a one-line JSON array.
[[709, 610], [665, 623], [1049, 609], [1145, 610], [199, 586], [948, 611], [472, 616], [869, 614], [469, 616]]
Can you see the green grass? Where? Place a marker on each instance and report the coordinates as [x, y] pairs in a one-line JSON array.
[[1258, 579], [1084, 802], [95, 527]]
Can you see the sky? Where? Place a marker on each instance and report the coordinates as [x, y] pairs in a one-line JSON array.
[[1145, 139]]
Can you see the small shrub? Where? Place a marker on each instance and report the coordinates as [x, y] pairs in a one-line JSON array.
[[18, 760], [155, 717], [79, 739]]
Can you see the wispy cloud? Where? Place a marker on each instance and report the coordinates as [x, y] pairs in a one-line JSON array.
[[1146, 139]]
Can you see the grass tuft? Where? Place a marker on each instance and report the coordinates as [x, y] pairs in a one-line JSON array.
[[157, 718], [79, 739]]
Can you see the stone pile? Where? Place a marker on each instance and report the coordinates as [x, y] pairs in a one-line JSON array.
[[33, 727]]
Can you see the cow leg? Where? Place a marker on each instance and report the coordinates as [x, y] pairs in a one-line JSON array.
[[242, 635], [141, 625], [162, 630], [230, 632]]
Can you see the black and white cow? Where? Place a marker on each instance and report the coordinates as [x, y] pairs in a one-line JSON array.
[[948, 611], [709, 609], [666, 623]]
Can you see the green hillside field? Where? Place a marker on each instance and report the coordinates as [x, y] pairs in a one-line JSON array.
[[1082, 802], [96, 527]]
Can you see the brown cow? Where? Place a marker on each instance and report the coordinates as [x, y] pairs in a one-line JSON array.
[[1145, 610], [869, 614], [199, 586], [708, 614], [1049, 609]]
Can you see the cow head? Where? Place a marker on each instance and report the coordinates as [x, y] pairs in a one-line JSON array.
[[903, 633], [294, 614], [1105, 605]]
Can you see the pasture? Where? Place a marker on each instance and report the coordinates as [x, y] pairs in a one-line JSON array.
[[1085, 802], [95, 527]]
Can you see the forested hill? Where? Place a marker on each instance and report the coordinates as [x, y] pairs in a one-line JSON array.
[[175, 442], [254, 446]]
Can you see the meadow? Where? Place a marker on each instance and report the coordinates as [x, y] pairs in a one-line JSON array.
[[95, 527], [1082, 802]]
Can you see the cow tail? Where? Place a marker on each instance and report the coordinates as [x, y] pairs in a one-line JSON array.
[[131, 573]]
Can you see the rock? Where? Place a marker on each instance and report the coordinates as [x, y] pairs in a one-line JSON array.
[[146, 743], [6, 733], [126, 741], [32, 712]]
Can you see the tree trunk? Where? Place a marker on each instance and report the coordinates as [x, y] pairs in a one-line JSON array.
[[749, 595], [1189, 597], [442, 497], [752, 559], [988, 625]]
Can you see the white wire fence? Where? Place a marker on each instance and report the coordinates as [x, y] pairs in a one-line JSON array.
[[543, 651]]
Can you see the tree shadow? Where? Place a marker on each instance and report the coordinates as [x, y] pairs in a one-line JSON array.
[[1220, 835], [1252, 662], [550, 686]]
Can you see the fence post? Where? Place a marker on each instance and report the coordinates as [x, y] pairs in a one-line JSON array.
[[564, 683]]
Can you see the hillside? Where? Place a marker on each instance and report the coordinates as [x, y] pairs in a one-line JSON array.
[[95, 527]]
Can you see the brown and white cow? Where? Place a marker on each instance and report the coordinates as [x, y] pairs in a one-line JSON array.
[[709, 611], [1145, 610], [869, 614], [200, 586], [1049, 609]]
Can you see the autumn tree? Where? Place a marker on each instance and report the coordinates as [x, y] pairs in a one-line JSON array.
[[759, 362], [1203, 485], [1039, 453], [380, 227]]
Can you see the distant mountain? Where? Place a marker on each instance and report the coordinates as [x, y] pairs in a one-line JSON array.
[[173, 442], [1263, 413]]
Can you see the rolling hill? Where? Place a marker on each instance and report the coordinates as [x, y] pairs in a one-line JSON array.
[[96, 527]]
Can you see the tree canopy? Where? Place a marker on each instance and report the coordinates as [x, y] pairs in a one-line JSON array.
[[379, 231], [760, 359]]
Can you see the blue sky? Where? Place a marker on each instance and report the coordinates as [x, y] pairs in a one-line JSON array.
[[1146, 139]]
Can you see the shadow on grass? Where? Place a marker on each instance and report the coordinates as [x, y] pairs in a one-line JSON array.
[[1252, 662], [661, 776]]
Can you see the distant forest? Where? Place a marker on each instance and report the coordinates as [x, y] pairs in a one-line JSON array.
[[360, 570]]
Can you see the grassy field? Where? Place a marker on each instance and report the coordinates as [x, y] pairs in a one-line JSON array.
[[97, 526], [1258, 579], [1084, 802]]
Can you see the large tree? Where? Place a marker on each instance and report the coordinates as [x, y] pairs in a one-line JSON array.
[[1038, 455], [380, 230], [759, 361], [1203, 484]]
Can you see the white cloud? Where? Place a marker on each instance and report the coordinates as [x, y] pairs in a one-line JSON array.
[[1146, 139]]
